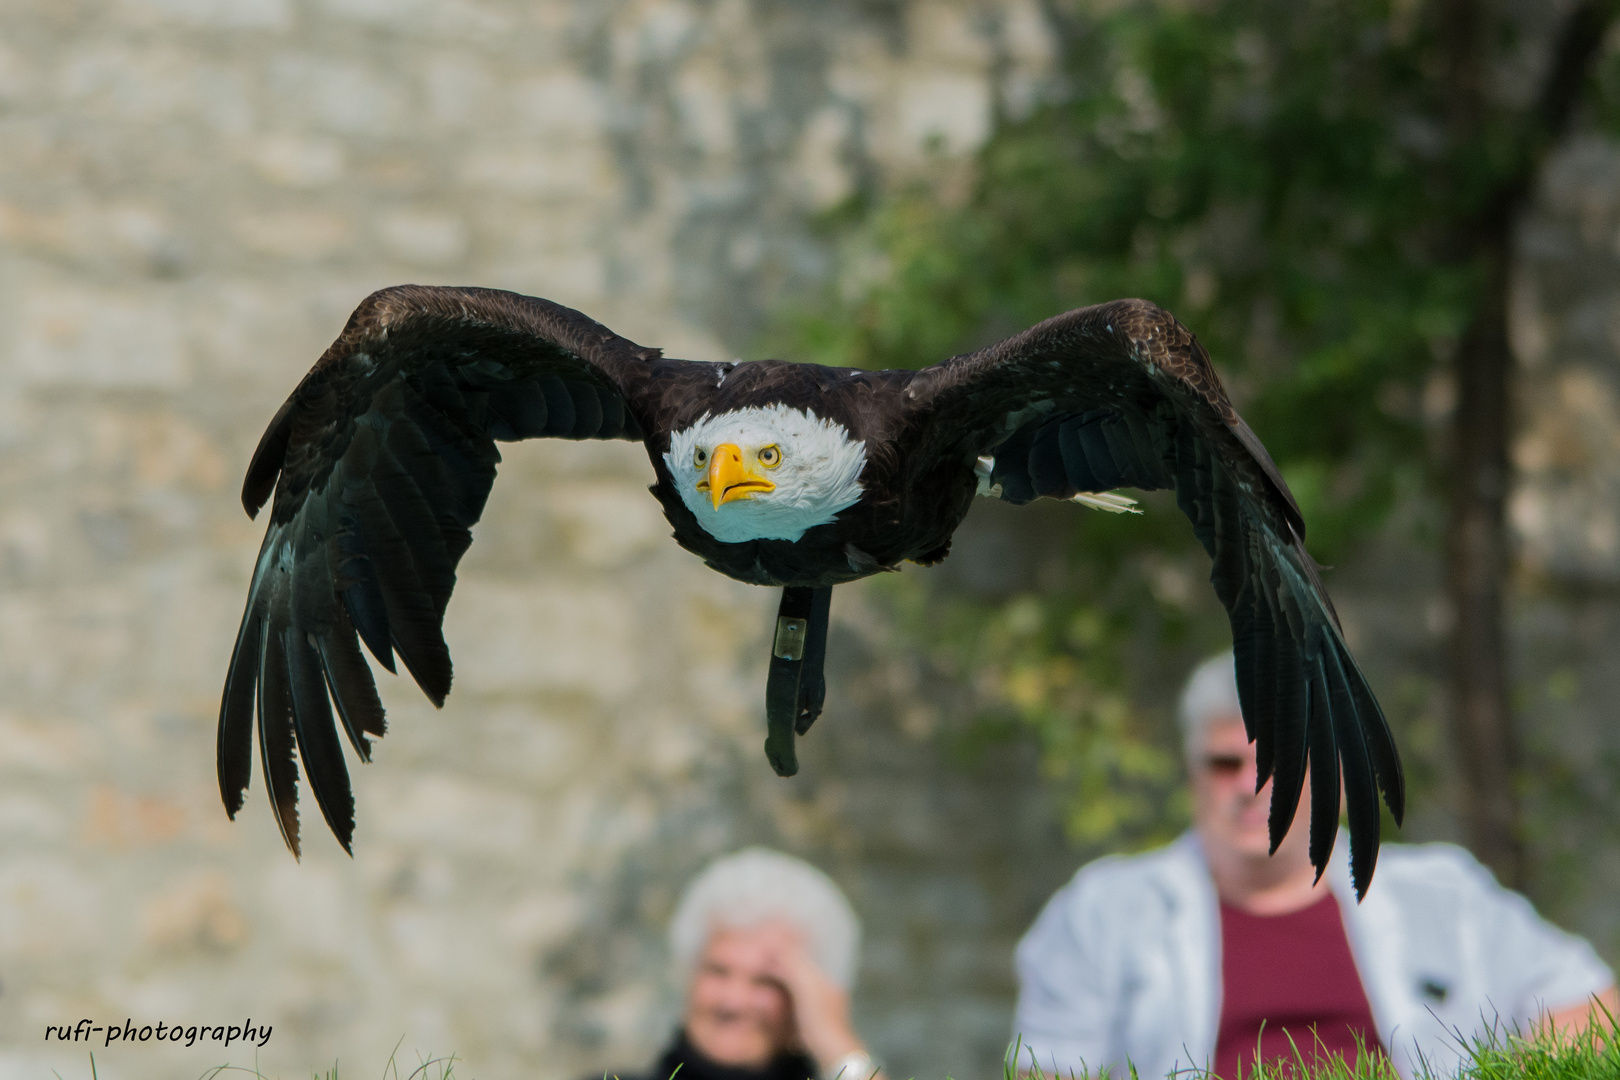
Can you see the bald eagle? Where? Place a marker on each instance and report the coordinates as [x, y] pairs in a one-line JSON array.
[[795, 476]]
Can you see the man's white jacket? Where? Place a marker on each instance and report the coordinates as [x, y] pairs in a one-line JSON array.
[[1124, 963]]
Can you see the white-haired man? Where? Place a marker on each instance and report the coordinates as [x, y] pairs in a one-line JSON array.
[[1208, 951], [765, 947]]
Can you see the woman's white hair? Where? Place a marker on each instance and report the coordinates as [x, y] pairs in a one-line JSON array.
[[1211, 693], [757, 885]]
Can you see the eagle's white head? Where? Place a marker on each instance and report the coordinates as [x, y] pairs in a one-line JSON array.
[[765, 473]]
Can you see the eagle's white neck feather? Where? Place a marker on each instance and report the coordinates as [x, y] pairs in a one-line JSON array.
[[819, 474]]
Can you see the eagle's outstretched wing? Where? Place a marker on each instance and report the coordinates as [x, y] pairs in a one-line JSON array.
[[381, 461], [1122, 395]]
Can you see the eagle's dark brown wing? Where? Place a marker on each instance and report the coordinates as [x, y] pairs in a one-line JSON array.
[[381, 461], [1122, 395]]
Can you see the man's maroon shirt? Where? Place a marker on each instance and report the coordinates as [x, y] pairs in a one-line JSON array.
[[1295, 975]]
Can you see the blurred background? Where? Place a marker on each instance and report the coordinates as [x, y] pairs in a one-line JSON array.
[[1396, 224]]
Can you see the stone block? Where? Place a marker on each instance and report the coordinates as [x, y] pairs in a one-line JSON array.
[[116, 819], [560, 105], [297, 161], [461, 90], [424, 237], [821, 164], [347, 97], [947, 111], [225, 14], [195, 912], [31, 820], [514, 637], [78, 335], [302, 235], [50, 910], [432, 19], [453, 815], [576, 170]]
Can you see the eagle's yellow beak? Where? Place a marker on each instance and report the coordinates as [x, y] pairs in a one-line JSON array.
[[729, 478]]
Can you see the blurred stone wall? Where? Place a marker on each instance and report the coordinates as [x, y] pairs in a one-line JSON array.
[[193, 195]]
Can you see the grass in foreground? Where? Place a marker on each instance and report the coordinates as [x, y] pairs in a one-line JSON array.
[[431, 1068], [1593, 1054]]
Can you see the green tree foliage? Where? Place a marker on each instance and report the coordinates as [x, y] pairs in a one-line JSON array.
[[1284, 176]]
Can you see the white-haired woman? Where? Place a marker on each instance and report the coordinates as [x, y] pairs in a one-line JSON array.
[[764, 945]]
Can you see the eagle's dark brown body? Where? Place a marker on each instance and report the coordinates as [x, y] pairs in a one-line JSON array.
[[382, 458]]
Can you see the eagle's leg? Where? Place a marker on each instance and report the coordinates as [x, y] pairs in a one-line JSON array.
[[796, 687], [812, 677]]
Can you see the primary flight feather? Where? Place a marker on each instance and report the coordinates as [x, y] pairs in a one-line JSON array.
[[797, 476]]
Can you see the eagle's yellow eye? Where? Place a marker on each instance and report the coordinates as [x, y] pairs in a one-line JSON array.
[[700, 458], [770, 457]]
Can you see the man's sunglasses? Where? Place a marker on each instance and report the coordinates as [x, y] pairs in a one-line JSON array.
[[1224, 766]]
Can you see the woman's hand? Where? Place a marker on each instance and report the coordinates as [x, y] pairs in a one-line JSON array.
[[820, 1006]]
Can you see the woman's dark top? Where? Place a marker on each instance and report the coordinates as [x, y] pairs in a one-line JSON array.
[[693, 1065]]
